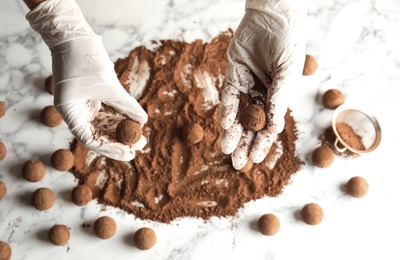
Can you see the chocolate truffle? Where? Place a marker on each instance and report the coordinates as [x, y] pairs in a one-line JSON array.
[[105, 227], [128, 132], [5, 251], [49, 85], [62, 160], [247, 167], [50, 116], [312, 214], [33, 170], [357, 187], [3, 150], [81, 195], [332, 98], [253, 117], [310, 65], [3, 108], [268, 224], [43, 199], [145, 238], [3, 190], [59, 235], [322, 157], [193, 133]]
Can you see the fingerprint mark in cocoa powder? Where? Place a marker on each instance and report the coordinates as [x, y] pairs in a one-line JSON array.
[[169, 178]]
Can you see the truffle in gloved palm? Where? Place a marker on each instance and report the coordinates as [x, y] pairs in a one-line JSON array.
[[265, 59], [84, 76]]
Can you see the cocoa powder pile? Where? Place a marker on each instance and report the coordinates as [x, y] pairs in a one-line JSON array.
[[179, 84]]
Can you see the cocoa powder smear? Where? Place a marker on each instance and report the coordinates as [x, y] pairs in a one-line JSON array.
[[177, 84]]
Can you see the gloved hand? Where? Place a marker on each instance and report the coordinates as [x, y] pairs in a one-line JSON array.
[[265, 59], [83, 76]]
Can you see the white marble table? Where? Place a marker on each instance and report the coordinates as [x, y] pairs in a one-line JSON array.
[[357, 44]]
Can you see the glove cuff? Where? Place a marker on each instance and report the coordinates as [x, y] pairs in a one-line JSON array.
[[58, 21], [286, 10]]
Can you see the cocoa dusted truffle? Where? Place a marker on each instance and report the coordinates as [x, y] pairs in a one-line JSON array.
[[50, 116], [49, 85], [81, 195], [357, 187], [62, 160], [253, 117], [145, 238], [332, 98], [310, 65], [193, 133], [268, 224], [247, 167], [105, 227], [59, 235], [3, 150], [312, 214], [128, 132], [5, 251], [3, 108], [33, 170], [322, 157], [43, 199], [3, 190]]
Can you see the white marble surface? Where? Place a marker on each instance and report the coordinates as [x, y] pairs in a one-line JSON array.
[[357, 44]]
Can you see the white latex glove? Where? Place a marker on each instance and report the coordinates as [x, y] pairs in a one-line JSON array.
[[83, 76], [268, 48]]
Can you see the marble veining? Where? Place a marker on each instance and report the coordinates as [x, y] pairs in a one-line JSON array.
[[357, 46]]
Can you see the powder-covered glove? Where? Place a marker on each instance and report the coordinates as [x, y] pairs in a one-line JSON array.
[[84, 76], [265, 59]]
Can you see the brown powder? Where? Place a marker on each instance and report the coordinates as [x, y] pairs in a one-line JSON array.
[[328, 138], [170, 178], [348, 135]]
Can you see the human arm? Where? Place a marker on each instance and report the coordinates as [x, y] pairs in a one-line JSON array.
[[265, 58], [83, 74]]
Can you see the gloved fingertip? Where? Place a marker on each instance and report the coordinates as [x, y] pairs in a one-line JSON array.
[[226, 149], [238, 163], [226, 124], [139, 145], [259, 155]]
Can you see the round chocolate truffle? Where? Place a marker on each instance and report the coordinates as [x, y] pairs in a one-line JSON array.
[[3, 190], [332, 98], [62, 160], [310, 65], [50, 116], [59, 235], [312, 214], [33, 170], [247, 167], [105, 227], [81, 195], [357, 187], [43, 199], [3, 150], [3, 108], [268, 224], [193, 133], [253, 117], [145, 238], [128, 132], [49, 85], [5, 251], [322, 157]]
